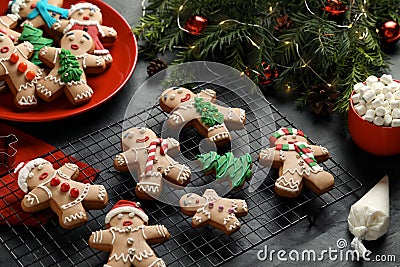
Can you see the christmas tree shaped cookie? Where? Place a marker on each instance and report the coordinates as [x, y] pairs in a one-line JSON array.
[[238, 170], [35, 37]]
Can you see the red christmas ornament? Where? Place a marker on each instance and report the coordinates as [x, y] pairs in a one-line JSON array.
[[196, 24], [74, 192], [389, 32], [270, 74], [335, 7]]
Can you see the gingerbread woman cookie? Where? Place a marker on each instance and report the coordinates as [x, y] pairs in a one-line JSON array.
[[237, 170], [199, 111], [149, 156], [214, 210], [37, 13], [69, 64], [88, 17], [128, 236], [18, 72], [47, 187], [297, 161]]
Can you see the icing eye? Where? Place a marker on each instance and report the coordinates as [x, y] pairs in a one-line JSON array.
[[40, 167], [131, 215], [31, 174], [91, 13], [284, 138], [172, 97], [80, 12], [120, 216], [165, 97], [142, 130], [294, 137], [71, 37], [83, 40], [22, 6], [2, 37], [179, 91]]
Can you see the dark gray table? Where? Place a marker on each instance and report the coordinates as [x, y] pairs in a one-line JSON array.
[[331, 224]]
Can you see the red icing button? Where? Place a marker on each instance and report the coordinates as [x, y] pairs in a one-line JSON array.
[[14, 57], [33, 6], [43, 176], [74, 192], [65, 187], [55, 181], [30, 75], [22, 67]]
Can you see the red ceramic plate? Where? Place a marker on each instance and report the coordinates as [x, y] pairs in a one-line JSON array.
[[105, 85]]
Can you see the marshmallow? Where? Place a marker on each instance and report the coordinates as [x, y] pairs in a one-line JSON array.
[[395, 123], [358, 87], [385, 90], [369, 106], [387, 120], [361, 109], [371, 79], [368, 96], [395, 104], [388, 110], [377, 103], [356, 98], [396, 95], [394, 86], [369, 115], [362, 102], [378, 121], [386, 78], [364, 89], [380, 111], [389, 96], [395, 113], [377, 86]]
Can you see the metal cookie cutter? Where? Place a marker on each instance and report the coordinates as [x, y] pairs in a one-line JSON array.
[[8, 150]]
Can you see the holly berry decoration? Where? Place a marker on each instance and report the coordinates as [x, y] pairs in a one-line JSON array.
[[283, 23], [335, 7], [196, 24], [156, 65], [270, 74], [321, 99], [389, 31]]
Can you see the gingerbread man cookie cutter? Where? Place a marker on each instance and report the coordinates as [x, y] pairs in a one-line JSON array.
[[8, 150]]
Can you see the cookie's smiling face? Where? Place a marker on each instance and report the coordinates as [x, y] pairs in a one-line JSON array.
[[87, 14], [78, 42], [290, 139], [23, 7], [6, 46], [137, 137], [40, 174], [125, 219], [175, 96], [191, 202]]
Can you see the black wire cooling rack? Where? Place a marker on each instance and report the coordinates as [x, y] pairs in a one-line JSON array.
[[269, 214]]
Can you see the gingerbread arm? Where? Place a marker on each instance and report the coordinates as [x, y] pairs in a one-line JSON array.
[[102, 239], [241, 207], [69, 170], [36, 22], [39, 196], [320, 153], [201, 216], [181, 115], [124, 159], [110, 34], [93, 64], [173, 146], [25, 49], [210, 193], [49, 55], [208, 94], [155, 233], [9, 21], [61, 25], [270, 156]]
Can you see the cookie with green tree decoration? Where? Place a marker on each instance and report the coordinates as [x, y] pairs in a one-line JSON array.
[[238, 170]]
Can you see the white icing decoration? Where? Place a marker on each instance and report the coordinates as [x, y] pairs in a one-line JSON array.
[[234, 225], [220, 136], [84, 95], [158, 263], [149, 187], [73, 217], [126, 209], [102, 193], [161, 230], [216, 127], [31, 197], [125, 258], [287, 185], [176, 116], [244, 205], [24, 172], [63, 175], [130, 241]]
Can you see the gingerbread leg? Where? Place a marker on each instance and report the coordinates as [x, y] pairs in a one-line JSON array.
[[320, 182], [289, 185], [219, 134], [108, 59], [96, 196], [177, 173], [50, 88], [119, 263], [79, 93], [25, 99], [153, 262], [149, 187], [73, 217]]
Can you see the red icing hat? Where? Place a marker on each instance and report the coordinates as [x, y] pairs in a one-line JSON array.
[[126, 206]]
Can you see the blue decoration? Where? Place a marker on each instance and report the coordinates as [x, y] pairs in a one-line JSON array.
[[43, 8]]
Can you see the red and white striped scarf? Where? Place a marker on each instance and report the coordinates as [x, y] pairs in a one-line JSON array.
[[152, 153]]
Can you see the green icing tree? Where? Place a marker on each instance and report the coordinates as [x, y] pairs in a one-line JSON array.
[[70, 69], [35, 37], [237, 169]]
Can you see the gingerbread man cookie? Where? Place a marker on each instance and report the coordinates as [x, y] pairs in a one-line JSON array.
[[69, 64], [149, 156], [214, 210], [127, 237], [297, 161], [37, 13], [18, 72], [199, 111], [237, 170], [47, 187], [88, 17]]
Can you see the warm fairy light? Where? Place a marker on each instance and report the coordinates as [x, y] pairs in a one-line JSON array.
[[288, 88], [304, 65], [350, 25], [192, 47], [222, 22], [286, 42], [180, 8], [329, 85], [270, 9]]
